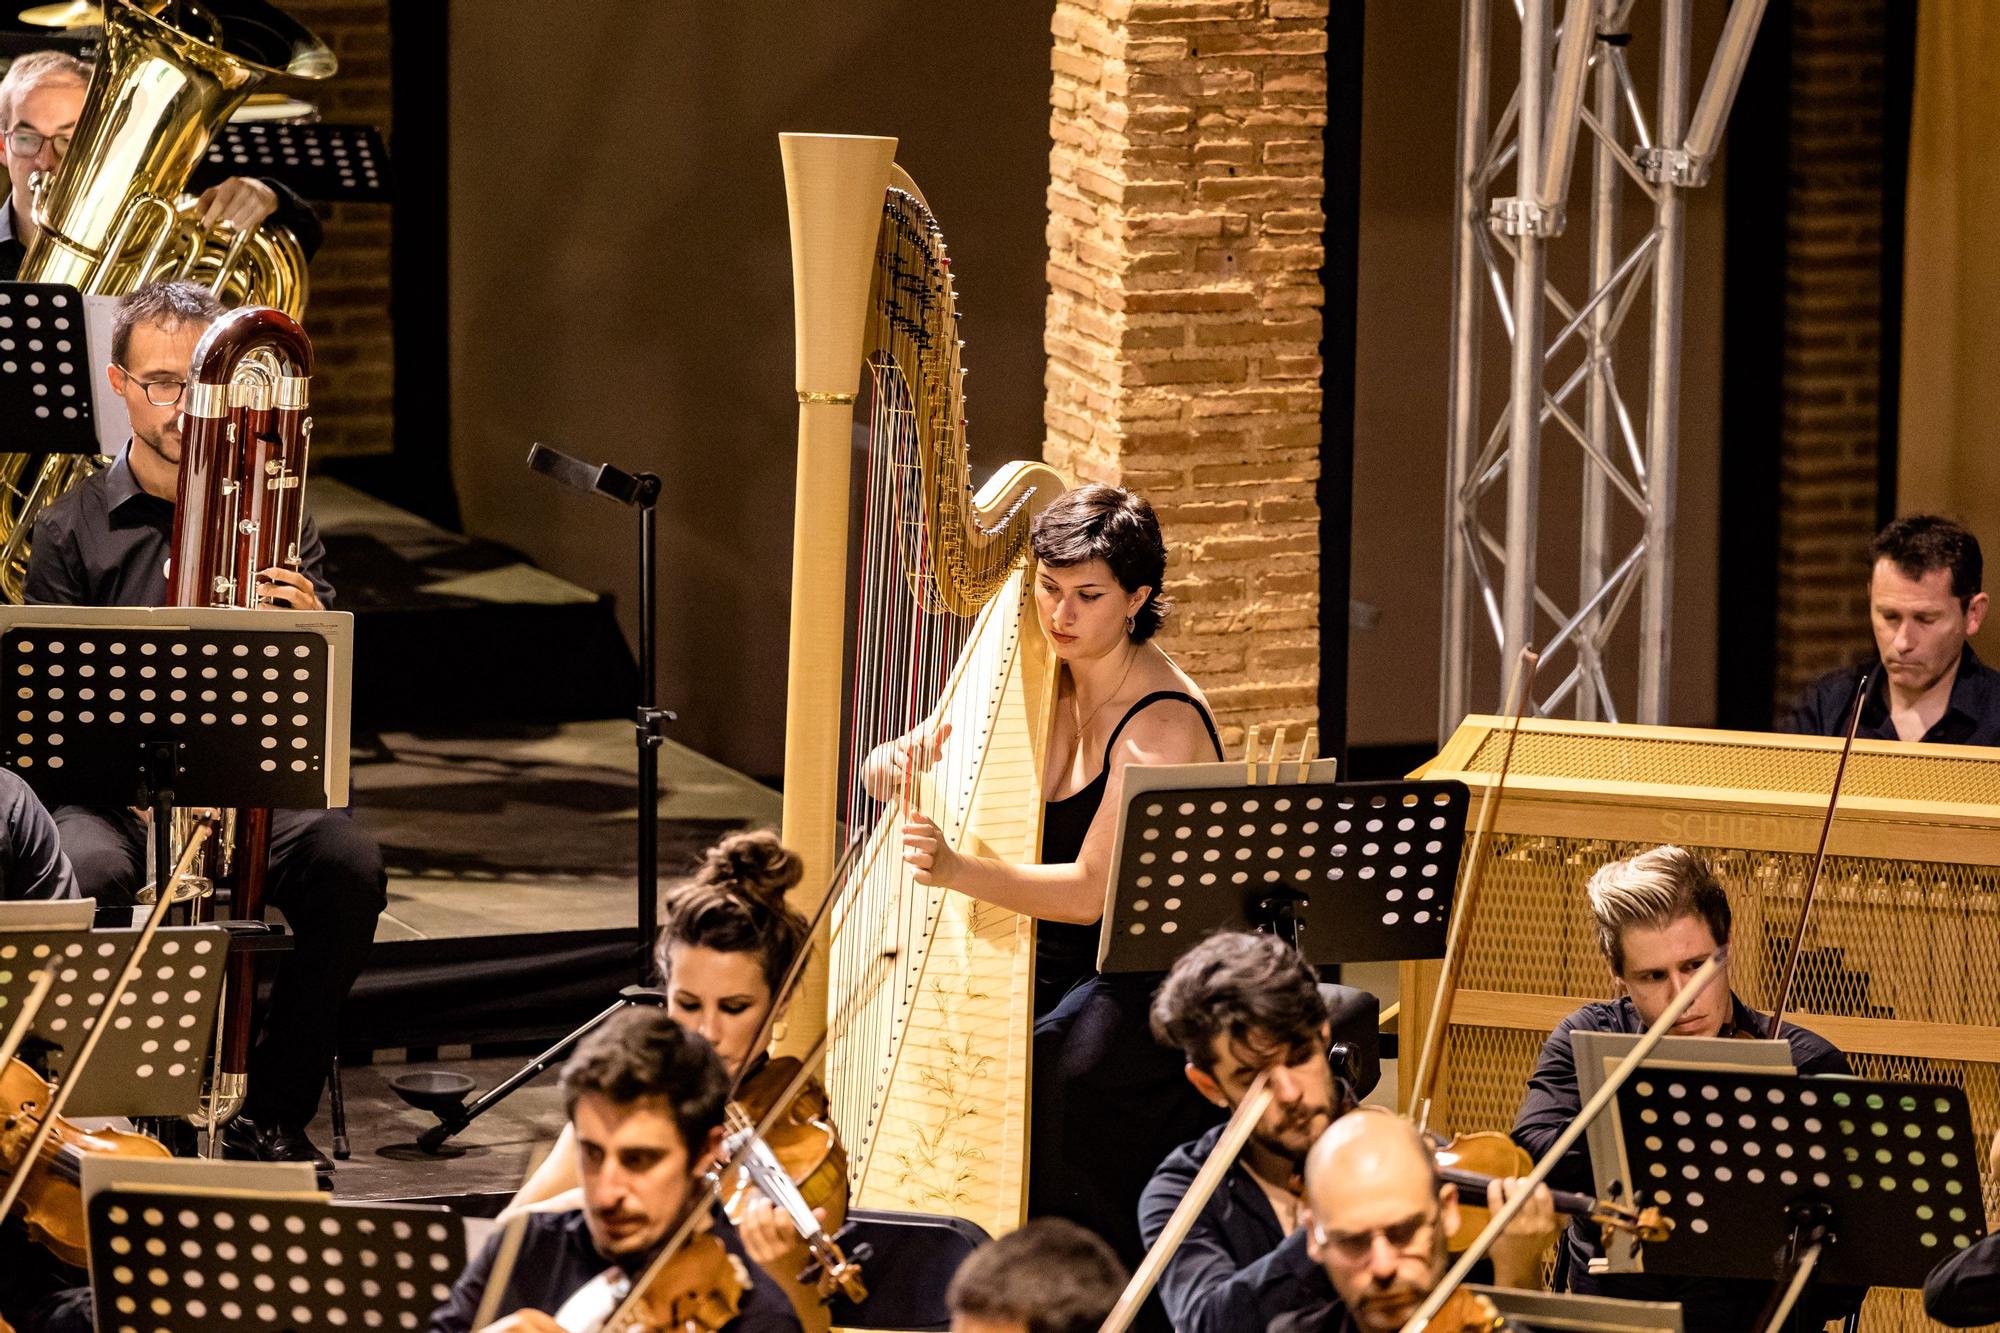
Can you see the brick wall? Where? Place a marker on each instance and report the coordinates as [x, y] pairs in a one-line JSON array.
[[1184, 315], [1828, 483], [347, 313]]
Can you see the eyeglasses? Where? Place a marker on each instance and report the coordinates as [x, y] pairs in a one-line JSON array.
[[1356, 1245], [27, 143], [172, 389]]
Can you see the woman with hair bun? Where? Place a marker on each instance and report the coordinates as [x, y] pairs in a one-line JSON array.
[[728, 940], [1110, 1103]]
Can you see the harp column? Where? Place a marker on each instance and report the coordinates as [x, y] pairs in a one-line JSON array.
[[835, 184], [1183, 327], [1567, 346]]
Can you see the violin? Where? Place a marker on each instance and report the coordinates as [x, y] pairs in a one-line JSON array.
[[802, 1139], [798, 1164], [1473, 1161], [697, 1290], [1467, 1311], [50, 1205]]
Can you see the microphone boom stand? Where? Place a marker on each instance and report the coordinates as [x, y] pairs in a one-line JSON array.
[[642, 491]]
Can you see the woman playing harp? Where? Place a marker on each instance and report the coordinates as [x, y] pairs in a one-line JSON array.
[[1109, 1103]]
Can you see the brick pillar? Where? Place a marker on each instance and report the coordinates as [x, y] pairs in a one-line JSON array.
[[1833, 330], [1184, 316], [347, 312]]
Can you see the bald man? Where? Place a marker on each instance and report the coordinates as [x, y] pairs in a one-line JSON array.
[[1381, 1218]]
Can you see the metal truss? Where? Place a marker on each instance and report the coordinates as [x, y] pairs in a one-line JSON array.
[[1574, 78]]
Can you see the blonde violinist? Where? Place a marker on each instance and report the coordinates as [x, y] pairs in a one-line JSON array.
[[723, 953]]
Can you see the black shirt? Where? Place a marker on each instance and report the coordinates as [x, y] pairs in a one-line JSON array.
[[1964, 1290], [1237, 1270], [32, 864], [107, 542], [1714, 1305], [556, 1260], [1971, 717]]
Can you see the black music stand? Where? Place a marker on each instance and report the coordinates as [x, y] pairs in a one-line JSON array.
[[151, 1061], [323, 161], [165, 1260], [1881, 1177], [1345, 872], [177, 706], [45, 368]]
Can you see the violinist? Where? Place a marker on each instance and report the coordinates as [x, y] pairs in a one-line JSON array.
[[1380, 1219], [1659, 916], [38, 1292], [1235, 1005], [1050, 1276], [728, 940], [645, 1100]]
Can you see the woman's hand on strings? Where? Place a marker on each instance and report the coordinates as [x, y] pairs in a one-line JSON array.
[[927, 853], [891, 764], [1517, 1251], [772, 1241]]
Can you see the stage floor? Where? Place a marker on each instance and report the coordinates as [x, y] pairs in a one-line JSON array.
[[491, 1158], [502, 830]]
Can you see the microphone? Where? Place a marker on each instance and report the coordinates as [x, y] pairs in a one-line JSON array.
[[598, 479]]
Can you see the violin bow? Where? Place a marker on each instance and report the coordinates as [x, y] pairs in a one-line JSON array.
[[31, 1157], [1819, 859], [796, 972], [1617, 1079], [1471, 876], [17, 1031], [699, 1202], [1206, 1181]]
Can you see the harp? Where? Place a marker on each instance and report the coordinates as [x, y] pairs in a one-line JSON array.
[[909, 607]]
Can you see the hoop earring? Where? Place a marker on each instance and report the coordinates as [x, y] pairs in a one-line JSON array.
[[1131, 626]]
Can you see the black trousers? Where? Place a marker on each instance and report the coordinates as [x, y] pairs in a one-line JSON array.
[[1109, 1104], [326, 876]]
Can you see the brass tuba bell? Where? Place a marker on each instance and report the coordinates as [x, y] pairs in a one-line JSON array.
[[112, 216]]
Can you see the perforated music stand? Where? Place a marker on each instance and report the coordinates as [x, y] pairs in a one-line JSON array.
[[1347, 872], [45, 368], [321, 160], [151, 1061], [177, 706], [193, 1260], [1748, 1163]]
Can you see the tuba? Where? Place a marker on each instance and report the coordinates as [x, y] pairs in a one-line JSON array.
[[240, 509], [910, 607], [112, 217]]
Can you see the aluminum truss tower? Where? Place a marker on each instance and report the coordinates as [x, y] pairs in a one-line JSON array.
[[1574, 78]]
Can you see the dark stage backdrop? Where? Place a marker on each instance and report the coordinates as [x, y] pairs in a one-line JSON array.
[[620, 284]]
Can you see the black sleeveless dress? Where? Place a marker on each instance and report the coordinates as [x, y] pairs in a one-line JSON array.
[[1109, 1102]]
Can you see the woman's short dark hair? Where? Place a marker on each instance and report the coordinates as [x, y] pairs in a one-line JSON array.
[[736, 904], [641, 1053], [1250, 989], [1099, 522], [1051, 1276], [1919, 543]]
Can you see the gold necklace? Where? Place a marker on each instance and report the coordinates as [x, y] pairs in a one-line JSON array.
[[1075, 706]]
